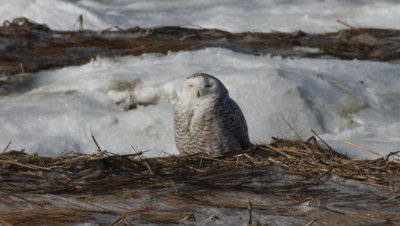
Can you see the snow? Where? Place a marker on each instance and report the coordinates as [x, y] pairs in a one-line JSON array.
[[354, 101], [230, 15], [57, 110], [58, 14]]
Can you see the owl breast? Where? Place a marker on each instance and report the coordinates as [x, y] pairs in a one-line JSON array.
[[209, 126]]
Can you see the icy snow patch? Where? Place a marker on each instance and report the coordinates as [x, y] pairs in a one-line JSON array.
[[57, 14], [341, 100], [230, 15]]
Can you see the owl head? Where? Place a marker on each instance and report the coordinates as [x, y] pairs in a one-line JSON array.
[[201, 85]]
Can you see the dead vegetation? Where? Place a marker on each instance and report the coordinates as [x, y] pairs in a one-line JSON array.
[[30, 47], [277, 178], [102, 170]]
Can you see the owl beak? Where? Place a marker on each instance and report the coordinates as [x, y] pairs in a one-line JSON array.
[[198, 93]]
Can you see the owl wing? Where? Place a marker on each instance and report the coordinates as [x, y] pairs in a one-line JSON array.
[[233, 122], [216, 127]]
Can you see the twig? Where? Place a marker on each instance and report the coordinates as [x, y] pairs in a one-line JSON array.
[[63, 154], [279, 151], [371, 151], [197, 170], [277, 162], [334, 210], [29, 166], [326, 144], [75, 159], [249, 157], [218, 160], [118, 221], [139, 153], [188, 217], [8, 145], [310, 222], [80, 21], [347, 25], [290, 126], [250, 211], [127, 223], [364, 149], [212, 218], [94, 139], [393, 153], [21, 67], [173, 185], [148, 167]]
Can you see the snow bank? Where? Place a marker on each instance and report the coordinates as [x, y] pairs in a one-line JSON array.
[[341, 100], [230, 15], [57, 14]]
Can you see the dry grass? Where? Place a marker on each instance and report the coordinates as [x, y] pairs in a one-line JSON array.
[[42, 216], [32, 47], [180, 187], [103, 170]]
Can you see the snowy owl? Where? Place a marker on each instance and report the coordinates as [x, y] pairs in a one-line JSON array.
[[206, 119]]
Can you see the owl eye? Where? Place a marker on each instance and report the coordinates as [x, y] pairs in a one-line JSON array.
[[208, 86], [190, 85]]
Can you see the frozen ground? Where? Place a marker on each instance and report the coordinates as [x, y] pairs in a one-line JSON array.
[[56, 111], [236, 15], [281, 200]]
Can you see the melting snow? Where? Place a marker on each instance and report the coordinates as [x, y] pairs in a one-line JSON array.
[[353, 101]]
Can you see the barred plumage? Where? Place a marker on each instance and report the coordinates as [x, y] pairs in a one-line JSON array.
[[206, 119]]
